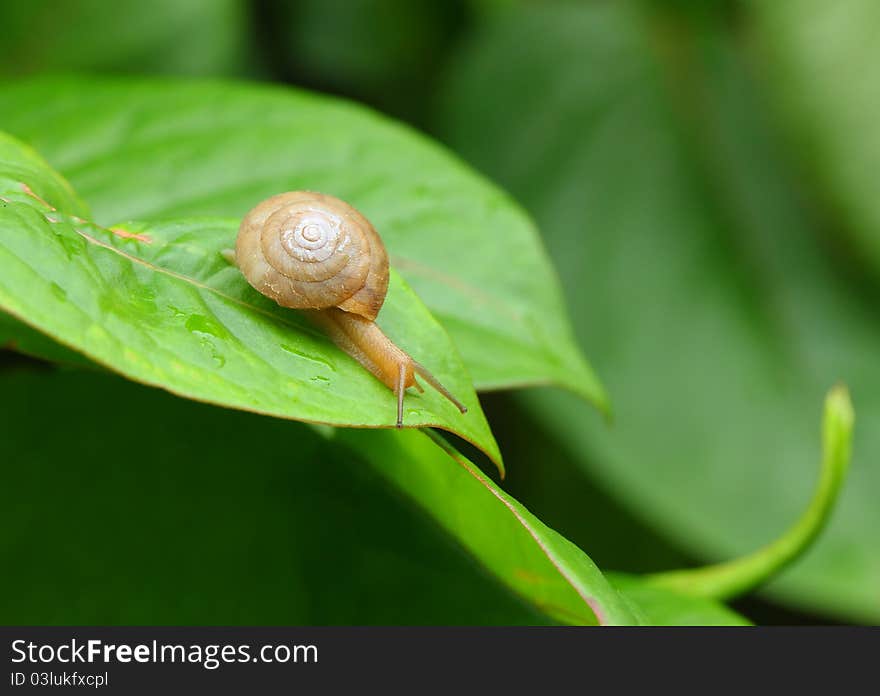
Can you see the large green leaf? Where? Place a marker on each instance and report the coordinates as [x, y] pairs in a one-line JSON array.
[[700, 284], [314, 537], [821, 59], [159, 303], [124, 505], [196, 37], [152, 150]]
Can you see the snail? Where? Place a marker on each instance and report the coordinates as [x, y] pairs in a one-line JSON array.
[[313, 252]]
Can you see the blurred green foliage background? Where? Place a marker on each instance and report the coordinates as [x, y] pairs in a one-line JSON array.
[[703, 174]]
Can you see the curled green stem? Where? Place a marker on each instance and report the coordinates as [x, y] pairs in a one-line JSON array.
[[732, 578]]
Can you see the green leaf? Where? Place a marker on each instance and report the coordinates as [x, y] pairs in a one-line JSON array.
[[699, 281], [159, 304], [821, 66], [333, 544], [154, 150], [537, 563], [197, 37], [125, 505]]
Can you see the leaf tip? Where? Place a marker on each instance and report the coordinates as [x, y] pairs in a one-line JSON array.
[[839, 412], [838, 420]]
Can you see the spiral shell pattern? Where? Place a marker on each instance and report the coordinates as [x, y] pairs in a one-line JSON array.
[[309, 250]]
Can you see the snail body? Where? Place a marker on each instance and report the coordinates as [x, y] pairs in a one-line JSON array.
[[316, 253]]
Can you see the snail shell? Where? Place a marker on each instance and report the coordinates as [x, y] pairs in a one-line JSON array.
[[312, 251], [309, 250]]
